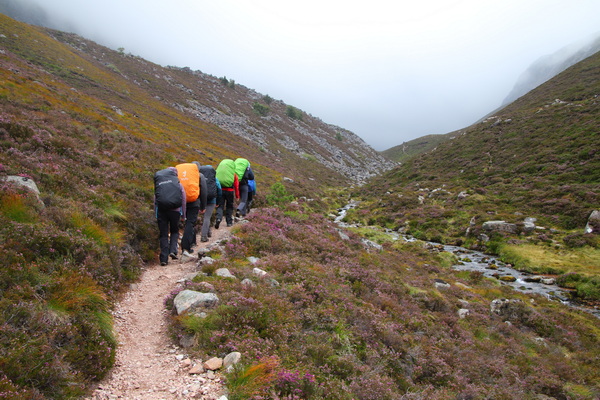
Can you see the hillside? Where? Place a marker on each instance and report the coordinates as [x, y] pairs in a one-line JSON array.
[[536, 158], [194, 111], [90, 126]]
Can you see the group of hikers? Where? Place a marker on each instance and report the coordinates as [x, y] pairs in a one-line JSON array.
[[184, 192]]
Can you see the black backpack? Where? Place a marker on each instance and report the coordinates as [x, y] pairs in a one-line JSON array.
[[211, 180], [167, 189]]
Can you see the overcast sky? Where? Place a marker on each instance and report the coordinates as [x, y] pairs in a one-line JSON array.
[[390, 71]]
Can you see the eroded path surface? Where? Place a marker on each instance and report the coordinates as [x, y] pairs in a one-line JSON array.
[[148, 366]]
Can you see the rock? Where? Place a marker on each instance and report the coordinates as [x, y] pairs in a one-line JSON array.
[[248, 283], [463, 312], [274, 283], [507, 278], [593, 223], [529, 224], [224, 273], [533, 279], [187, 257], [548, 281], [207, 260], [187, 341], [504, 307], [253, 260], [259, 272], [196, 369], [190, 300], [213, 364], [440, 284], [26, 183], [499, 226], [231, 359]]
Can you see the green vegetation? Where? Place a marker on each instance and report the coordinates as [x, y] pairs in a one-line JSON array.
[[260, 109], [267, 99], [293, 113]]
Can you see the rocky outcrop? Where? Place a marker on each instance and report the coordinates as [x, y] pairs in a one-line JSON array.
[[593, 223]]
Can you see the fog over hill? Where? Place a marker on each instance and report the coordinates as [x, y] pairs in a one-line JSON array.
[[552, 64]]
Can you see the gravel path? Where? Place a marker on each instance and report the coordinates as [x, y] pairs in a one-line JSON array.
[[148, 365]]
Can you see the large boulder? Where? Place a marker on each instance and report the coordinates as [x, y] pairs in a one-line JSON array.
[[500, 226], [191, 301]]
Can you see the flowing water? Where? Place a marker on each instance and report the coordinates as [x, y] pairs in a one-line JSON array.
[[489, 266]]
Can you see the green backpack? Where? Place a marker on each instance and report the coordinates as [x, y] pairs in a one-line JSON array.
[[226, 172], [241, 164]]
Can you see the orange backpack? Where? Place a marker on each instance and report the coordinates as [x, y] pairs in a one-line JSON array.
[[189, 176]]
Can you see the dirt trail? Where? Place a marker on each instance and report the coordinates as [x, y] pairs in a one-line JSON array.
[[148, 366]]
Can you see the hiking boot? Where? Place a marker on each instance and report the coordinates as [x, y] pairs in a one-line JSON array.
[[204, 239], [163, 263], [188, 253], [237, 213], [173, 256], [230, 224], [217, 223]]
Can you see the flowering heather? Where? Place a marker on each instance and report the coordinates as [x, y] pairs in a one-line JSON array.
[[346, 322]]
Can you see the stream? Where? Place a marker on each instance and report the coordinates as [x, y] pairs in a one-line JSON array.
[[489, 266]]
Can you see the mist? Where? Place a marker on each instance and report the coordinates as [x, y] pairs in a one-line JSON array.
[[389, 72]]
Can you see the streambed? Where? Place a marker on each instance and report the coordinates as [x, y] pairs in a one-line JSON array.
[[489, 266]]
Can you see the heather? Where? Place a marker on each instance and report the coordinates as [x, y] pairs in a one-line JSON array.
[[337, 319]]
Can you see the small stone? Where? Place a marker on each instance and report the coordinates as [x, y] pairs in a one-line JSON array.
[[196, 369], [213, 364]]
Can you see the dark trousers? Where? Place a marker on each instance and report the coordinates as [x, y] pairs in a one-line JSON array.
[[227, 205], [168, 227], [243, 206], [189, 231], [205, 230]]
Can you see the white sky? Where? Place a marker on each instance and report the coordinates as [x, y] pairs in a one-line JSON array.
[[390, 71]]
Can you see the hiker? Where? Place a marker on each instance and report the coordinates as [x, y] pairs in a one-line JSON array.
[[243, 170], [169, 205], [213, 197], [195, 191], [229, 180]]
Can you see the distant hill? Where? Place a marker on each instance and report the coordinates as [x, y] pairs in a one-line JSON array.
[[414, 147]]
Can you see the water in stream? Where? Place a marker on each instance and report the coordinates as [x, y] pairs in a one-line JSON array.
[[490, 267]]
